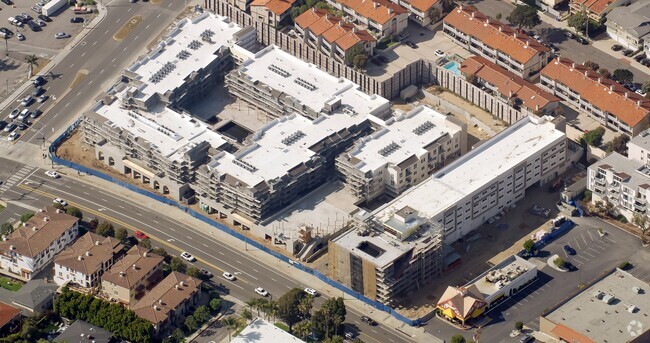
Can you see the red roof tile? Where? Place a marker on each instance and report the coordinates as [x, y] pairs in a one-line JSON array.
[[380, 11], [276, 6]]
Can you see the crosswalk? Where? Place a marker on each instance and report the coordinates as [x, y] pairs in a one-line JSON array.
[[16, 177]]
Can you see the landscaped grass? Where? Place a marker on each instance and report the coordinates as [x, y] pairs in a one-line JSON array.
[[282, 326], [9, 284]]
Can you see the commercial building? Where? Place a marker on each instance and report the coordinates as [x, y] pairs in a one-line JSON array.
[[332, 35], [630, 25], [487, 290], [382, 18], [404, 151], [495, 41], [263, 331], [247, 189], [132, 276], [83, 263], [385, 261], [169, 301], [621, 181], [596, 9], [509, 89], [279, 84], [32, 246], [529, 153], [614, 309], [609, 103], [271, 12], [189, 61]]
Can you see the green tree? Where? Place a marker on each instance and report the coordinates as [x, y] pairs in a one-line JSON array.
[[519, 326], [178, 335], [579, 21], [145, 243], [178, 265], [327, 321], [360, 61], [641, 221], [592, 65], [529, 245], [215, 304], [498, 16], [93, 224], [121, 233], [202, 314], [6, 229], [246, 314], [645, 88], [191, 323], [623, 75], [160, 252], [619, 144], [75, 212], [288, 306], [230, 323], [594, 137], [605, 73], [458, 339], [524, 16], [435, 14], [334, 339], [193, 272], [25, 217], [302, 329], [305, 306], [559, 262], [352, 53], [32, 61], [106, 229]]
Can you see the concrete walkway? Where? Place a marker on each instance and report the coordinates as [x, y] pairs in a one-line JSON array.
[[604, 45], [58, 57]]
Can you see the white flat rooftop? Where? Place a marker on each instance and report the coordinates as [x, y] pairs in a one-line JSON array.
[[384, 247], [402, 137], [477, 168], [171, 132], [185, 50], [306, 83], [512, 267], [260, 330], [281, 145]]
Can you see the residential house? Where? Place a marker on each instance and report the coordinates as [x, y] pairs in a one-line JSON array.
[[169, 302], [83, 332], [609, 103], [381, 18], [423, 12], [630, 26], [509, 88], [271, 12], [596, 9], [32, 246], [35, 297], [132, 276], [332, 35], [9, 319], [495, 41], [83, 263]]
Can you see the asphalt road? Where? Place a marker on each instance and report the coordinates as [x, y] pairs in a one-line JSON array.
[[569, 48], [37, 190], [102, 58]]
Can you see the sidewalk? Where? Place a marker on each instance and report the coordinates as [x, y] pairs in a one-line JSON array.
[[58, 57], [604, 45]]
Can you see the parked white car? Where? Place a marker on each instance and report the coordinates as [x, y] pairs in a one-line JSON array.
[[439, 53], [187, 256], [60, 202], [12, 136], [311, 291]]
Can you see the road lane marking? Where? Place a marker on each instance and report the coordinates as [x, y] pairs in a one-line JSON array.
[[86, 193], [120, 206], [274, 280], [101, 71], [84, 54], [220, 253], [136, 37], [155, 221], [205, 245], [113, 60], [94, 43]]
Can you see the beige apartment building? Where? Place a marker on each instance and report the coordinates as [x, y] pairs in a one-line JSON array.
[[271, 12], [495, 41], [132, 276], [381, 18]]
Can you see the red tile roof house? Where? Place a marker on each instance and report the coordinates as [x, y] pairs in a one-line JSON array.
[[597, 9], [271, 12], [497, 42], [422, 11], [611, 104], [510, 91], [332, 35], [381, 18], [9, 319]]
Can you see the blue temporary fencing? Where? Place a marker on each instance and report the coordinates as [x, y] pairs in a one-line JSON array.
[[59, 140], [566, 226]]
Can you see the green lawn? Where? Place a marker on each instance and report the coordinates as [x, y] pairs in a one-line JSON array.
[[7, 283], [282, 326]]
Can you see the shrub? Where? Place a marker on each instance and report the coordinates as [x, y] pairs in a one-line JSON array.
[[625, 265], [25, 217], [559, 262], [621, 218], [519, 326]]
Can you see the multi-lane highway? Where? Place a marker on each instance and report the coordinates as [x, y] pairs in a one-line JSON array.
[[35, 190], [101, 58]]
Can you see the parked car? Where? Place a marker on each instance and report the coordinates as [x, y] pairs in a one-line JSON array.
[[411, 44], [20, 36], [38, 81], [639, 57], [368, 320], [140, 235], [38, 91], [36, 113], [10, 127], [206, 273], [6, 32], [26, 16], [13, 136], [75, 20], [8, 2], [187, 256], [537, 38], [23, 126], [627, 52], [44, 18], [41, 23], [24, 114], [640, 92], [261, 291], [439, 53], [3, 124], [229, 276], [61, 35], [349, 335], [14, 113], [52, 174], [616, 47], [569, 250], [581, 40], [526, 339], [42, 98], [27, 101], [567, 33], [60, 202]]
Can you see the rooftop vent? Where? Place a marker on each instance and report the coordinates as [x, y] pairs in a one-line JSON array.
[[80, 258], [636, 289], [305, 84], [96, 242], [389, 149], [195, 44], [245, 165], [87, 253], [278, 70], [183, 54], [424, 127], [294, 137]]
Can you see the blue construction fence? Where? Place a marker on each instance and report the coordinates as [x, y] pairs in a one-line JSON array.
[[59, 140], [566, 226]]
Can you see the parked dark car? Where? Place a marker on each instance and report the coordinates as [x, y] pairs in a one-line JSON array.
[[44, 18], [2, 124], [77, 20], [38, 81], [616, 47], [638, 58], [627, 52], [581, 40], [368, 320], [569, 250], [411, 44], [8, 2]]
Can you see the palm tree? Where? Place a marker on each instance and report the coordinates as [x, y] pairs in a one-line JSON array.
[[230, 323], [32, 60], [305, 306], [251, 303]]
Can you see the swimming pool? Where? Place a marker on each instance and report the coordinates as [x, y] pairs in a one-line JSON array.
[[453, 67]]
